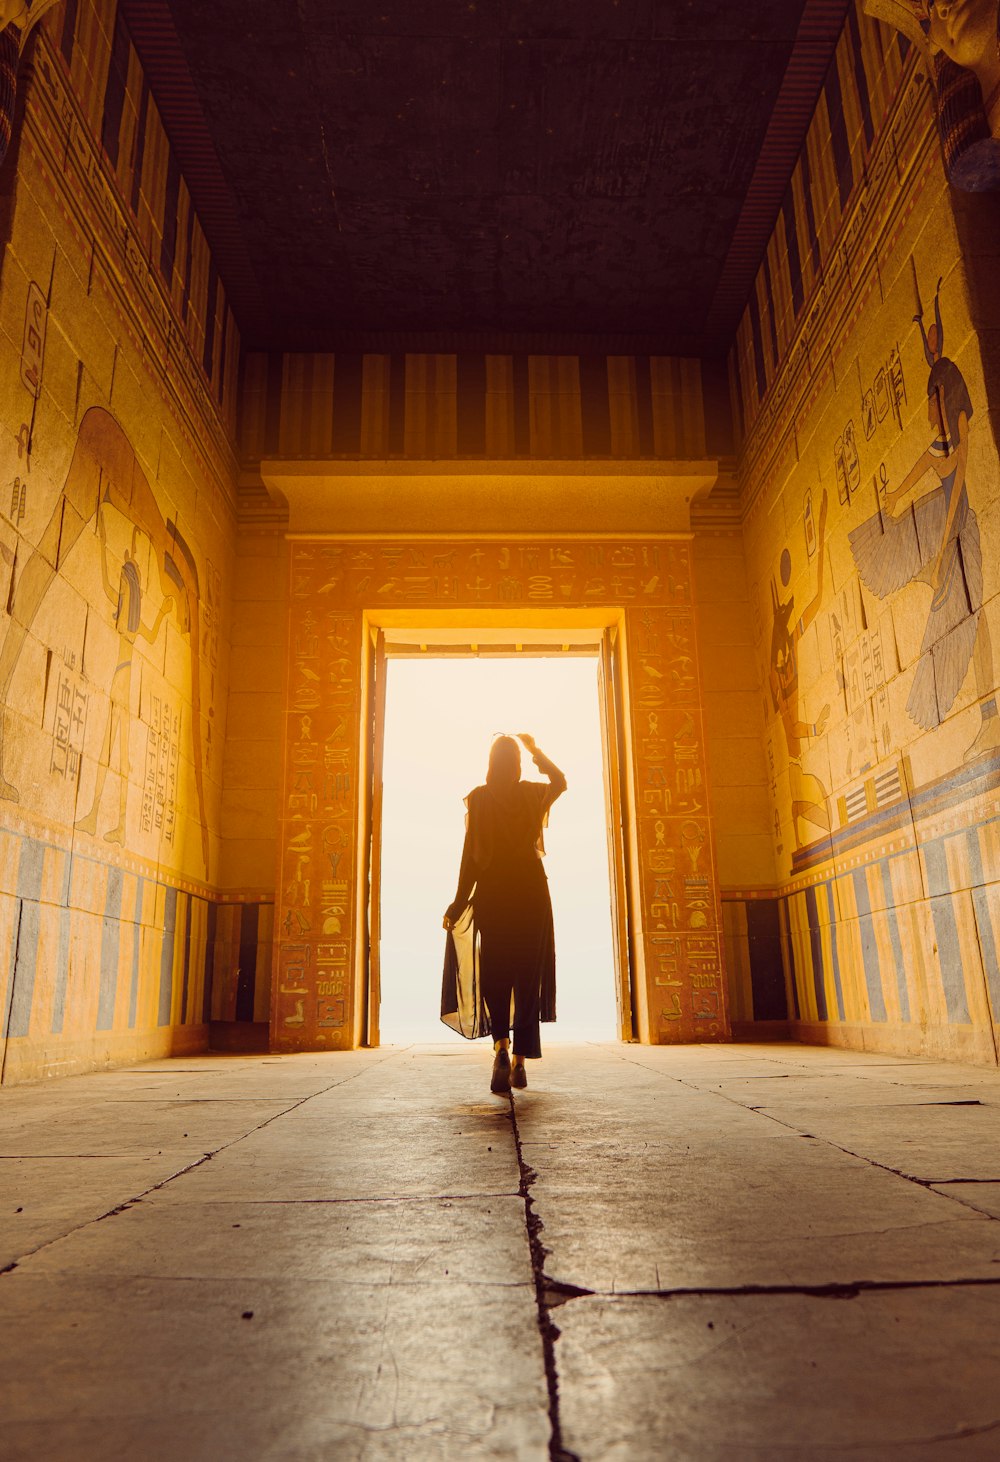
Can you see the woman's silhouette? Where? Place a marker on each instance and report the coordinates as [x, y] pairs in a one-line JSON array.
[[500, 964]]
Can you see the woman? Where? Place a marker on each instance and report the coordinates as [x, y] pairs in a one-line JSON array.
[[500, 963]]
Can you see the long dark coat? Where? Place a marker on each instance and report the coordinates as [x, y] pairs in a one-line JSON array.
[[502, 871]]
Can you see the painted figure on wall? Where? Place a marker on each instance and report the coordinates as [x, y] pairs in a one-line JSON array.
[[127, 599], [808, 792], [960, 41], [104, 470], [935, 541]]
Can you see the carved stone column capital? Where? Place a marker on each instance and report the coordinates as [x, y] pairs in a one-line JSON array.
[[18, 19], [960, 43]]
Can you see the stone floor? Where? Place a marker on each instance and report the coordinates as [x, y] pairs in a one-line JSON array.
[[701, 1253]]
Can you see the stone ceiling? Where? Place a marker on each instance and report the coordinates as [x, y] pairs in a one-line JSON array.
[[433, 171]]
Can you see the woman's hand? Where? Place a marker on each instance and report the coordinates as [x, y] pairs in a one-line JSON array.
[[528, 742], [452, 914]]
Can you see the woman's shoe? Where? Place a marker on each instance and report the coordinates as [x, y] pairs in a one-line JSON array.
[[518, 1075], [501, 1072]]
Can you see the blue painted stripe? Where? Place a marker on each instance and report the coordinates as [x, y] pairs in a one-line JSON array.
[[17, 982], [210, 932], [834, 951], [30, 868], [133, 994], [946, 932], [896, 941], [61, 972], [62, 955], [110, 949], [869, 947], [789, 945], [186, 915], [816, 945], [950, 960], [9, 981], [981, 904], [25, 963], [21, 993], [167, 955], [936, 869]]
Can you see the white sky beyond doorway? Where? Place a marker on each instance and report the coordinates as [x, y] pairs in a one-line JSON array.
[[441, 716]]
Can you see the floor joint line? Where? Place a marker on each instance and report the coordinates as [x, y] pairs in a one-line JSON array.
[[548, 1330]]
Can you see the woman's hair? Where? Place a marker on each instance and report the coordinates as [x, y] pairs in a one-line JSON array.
[[504, 767]]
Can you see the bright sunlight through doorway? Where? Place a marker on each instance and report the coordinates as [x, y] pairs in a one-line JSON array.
[[441, 716]]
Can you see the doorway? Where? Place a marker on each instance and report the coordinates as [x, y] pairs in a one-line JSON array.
[[441, 713], [356, 603]]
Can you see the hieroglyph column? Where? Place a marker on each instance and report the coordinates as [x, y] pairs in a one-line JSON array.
[[315, 951], [678, 896]]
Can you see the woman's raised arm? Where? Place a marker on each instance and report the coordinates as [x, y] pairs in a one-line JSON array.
[[547, 767]]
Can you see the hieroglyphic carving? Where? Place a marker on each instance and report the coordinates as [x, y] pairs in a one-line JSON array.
[[317, 893], [33, 346], [677, 888], [104, 478], [159, 786], [492, 574], [332, 585], [69, 721]]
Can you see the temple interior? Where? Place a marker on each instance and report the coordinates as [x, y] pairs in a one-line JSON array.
[[384, 377]]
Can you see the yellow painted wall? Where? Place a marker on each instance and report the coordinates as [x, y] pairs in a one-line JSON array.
[[853, 766], [871, 547], [253, 757], [117, 401], [739, 801]]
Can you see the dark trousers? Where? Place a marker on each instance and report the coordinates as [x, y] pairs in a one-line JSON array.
[[509, 978]]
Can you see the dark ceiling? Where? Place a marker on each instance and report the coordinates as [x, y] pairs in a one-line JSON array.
[[543, 167]]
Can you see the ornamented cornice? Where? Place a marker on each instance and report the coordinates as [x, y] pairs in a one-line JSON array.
[[56, 128]]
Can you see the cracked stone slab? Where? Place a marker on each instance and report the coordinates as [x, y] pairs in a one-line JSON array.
[[42, 1199], [984, 1197], [277, 1435], [118, 1129], [821, 1091], [430, 1242], [278, 1080], [381, 1171], [644, 1187], [356, 1159], [97, 1368], [703, 1065], [922, 1141], [773, 1212], [906, 1374]]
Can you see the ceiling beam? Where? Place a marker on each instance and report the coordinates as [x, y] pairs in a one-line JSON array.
[[815, 44], [154, 35]]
